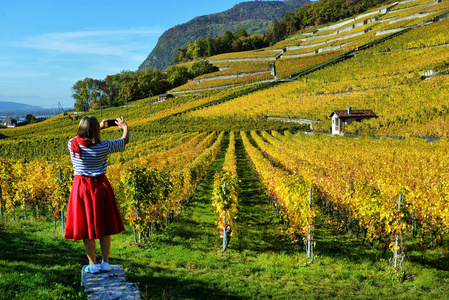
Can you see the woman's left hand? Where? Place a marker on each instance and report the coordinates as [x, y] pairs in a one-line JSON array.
[[102, 124]]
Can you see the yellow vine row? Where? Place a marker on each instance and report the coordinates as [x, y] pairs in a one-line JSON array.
[[226, 190], [291, 191]]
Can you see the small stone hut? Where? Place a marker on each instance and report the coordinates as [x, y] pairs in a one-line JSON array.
[[342, 118], [163, 97]]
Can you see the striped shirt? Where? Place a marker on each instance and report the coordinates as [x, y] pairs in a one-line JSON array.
[[94, 159]]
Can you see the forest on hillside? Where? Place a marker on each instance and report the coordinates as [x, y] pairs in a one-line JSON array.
[[118, 89], [252, 16]]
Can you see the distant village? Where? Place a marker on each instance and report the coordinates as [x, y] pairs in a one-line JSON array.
[[6, 122]]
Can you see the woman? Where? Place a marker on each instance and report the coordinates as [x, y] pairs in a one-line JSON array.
[[93, 212]]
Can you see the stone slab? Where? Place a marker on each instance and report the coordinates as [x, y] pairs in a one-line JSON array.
[[109, 285]]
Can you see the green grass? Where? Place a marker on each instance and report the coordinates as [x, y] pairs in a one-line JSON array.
[[36, 265], [185, 262]]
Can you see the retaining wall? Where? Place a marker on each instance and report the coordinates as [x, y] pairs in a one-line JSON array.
[[228, 76]]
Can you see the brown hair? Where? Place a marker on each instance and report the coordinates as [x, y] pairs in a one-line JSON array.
[[89, 128]]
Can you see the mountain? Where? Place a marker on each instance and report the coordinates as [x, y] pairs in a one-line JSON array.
[[16, 110], [9, 106], [253, 16]]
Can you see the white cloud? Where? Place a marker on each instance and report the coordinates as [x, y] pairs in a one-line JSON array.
[[122, 42], [48, 64]]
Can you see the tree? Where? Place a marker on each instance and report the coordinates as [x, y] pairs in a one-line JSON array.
[[30, 119], [95, 90], [237, 45], [189, 51], [177, 75], [181, 56], [279, 31], [256, 41], [127, 86], [81, 95], [88, 93], [110, 90], [240, 33], [128, 90], [197, 49], [201, 67], [148, 81], [211, 46], [226, 41]]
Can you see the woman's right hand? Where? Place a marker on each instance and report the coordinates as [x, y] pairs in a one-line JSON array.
[[121, 122]]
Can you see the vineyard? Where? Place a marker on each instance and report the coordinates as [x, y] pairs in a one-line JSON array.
[[383, 78], [311, 48], [212, 185]]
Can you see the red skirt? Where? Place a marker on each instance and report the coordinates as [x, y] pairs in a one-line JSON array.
[[93, 211]]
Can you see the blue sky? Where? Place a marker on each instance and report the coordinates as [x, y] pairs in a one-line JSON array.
[[46, 46]]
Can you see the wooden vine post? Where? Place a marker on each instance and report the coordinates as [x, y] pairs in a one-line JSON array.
[[1, 205], [309, 231], [139, 215], [224, 235], [396, 247], [62, 210], [224, 223], [351, 184]]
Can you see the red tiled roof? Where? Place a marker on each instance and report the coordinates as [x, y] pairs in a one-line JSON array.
[[355, 113]]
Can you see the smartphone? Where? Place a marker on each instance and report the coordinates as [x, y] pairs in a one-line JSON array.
[[112, 123]]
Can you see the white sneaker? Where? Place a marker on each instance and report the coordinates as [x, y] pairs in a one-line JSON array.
[[92, 269], [104, 267]]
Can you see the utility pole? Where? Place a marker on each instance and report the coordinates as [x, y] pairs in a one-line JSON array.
[[149, 102]]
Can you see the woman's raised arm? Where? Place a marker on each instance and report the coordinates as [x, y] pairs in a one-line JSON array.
[[122, 124]]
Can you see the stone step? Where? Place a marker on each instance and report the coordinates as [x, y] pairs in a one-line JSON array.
[[109, 285]]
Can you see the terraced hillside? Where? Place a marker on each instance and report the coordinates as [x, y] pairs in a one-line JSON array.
[[317, 45]]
